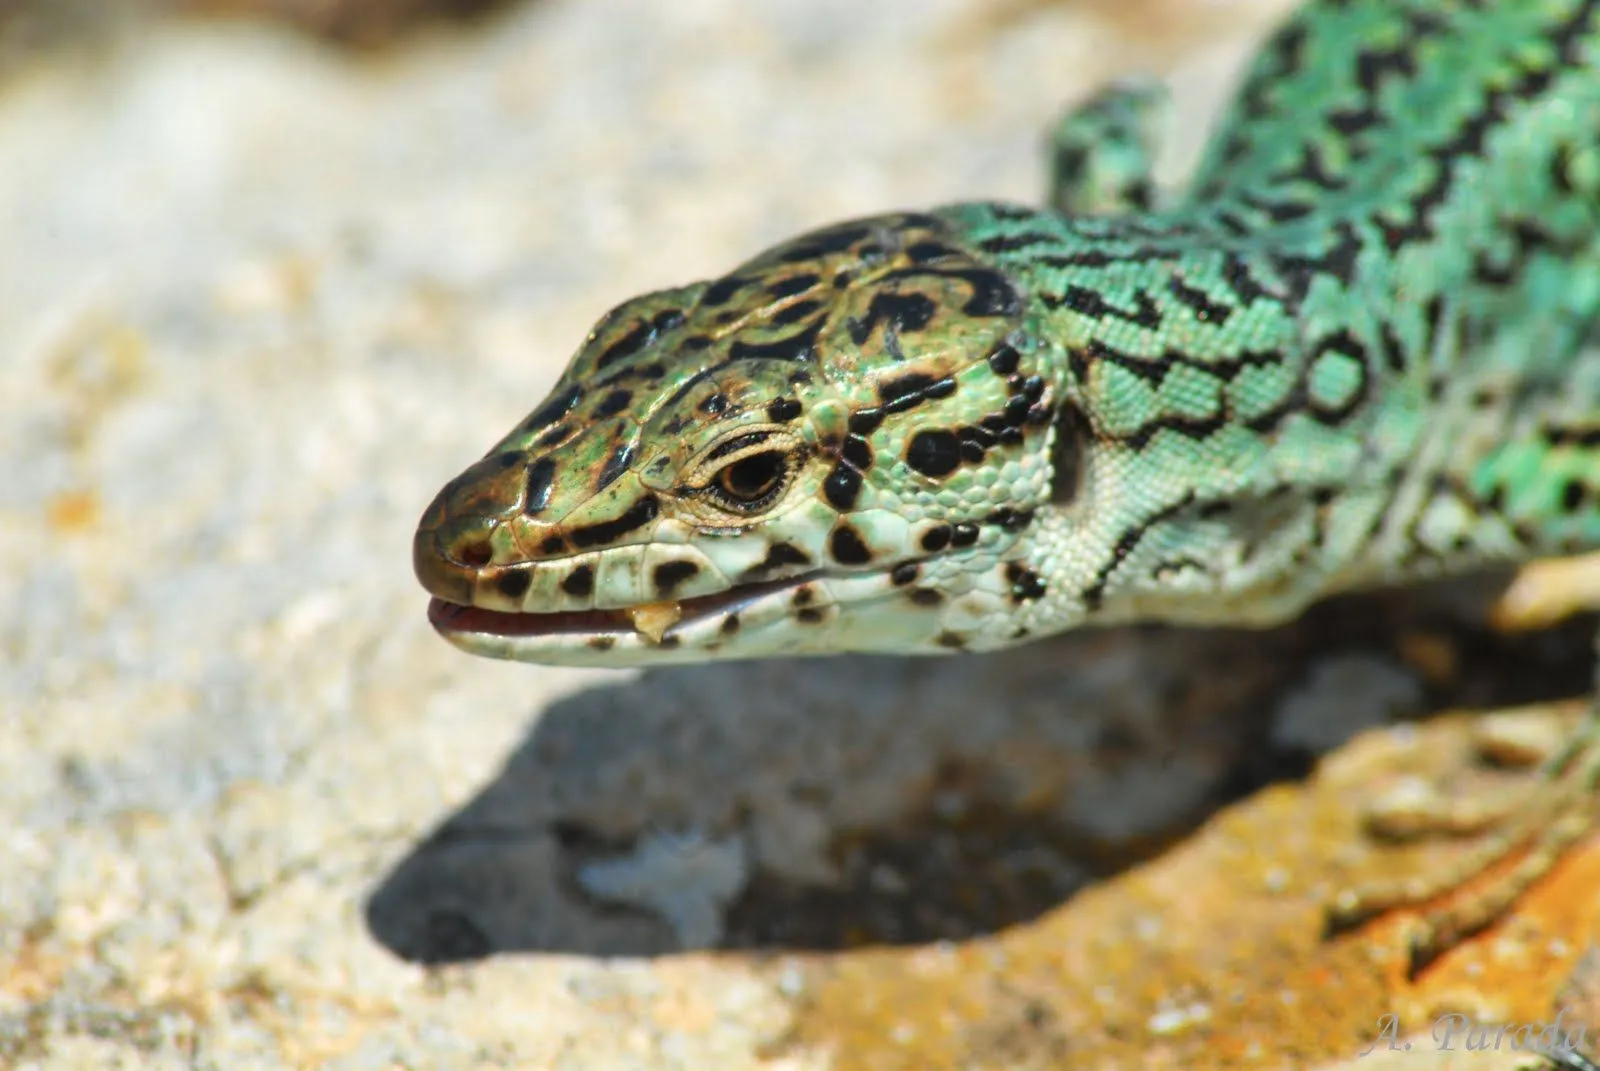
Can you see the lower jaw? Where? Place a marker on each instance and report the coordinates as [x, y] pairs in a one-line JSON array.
[[686, 631]]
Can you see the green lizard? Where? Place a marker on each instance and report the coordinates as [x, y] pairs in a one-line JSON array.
[[1363, 347]]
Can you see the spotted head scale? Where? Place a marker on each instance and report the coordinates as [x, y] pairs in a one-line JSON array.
[[813, 439]]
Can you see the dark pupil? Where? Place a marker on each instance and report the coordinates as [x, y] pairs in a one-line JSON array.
[[753, 476]]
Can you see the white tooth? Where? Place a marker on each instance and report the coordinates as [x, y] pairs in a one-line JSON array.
[[654, 618]]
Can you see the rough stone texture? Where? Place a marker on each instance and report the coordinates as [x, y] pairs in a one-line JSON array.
[[257, 304]]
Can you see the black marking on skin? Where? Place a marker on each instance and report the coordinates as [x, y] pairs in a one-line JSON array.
[[802, 597], [927, 596], [1339, 262], [1153, 370], [691, 344], [963, 534], [643, 334], [1577, 436], [714, 404], [865, 421], [847, 548], [796, 347], [507, 458], [842, 487], [553, 410], [1090, 303], [721, 291], [951, 640], [1195, 428], [1432, 317], [643, 512], [1094, 594], [1009, 519], [934, 453], [600, 643], [615, 466], [1200, 303], [1026, 585], [1573, 494], [667, 643], [614, 403], [1005, 359], [1104, 258], [580, 582], [541, 478], [555, 436], [904, 313], [904, 392], [783, 410], [799, 379], [778, 556], [794, 284], [1068, 455], [514, 584], [1011, 243], [552, 546], [822, 243], [1394, 351], [669, 575], [1240, 277], [1015, 411], [1012, 213], [977, 437], [936, 539], [904, 573], [926, 252], [857, 452], [1277, 212], [730, 625], [1561, 170], [809, 615], [1231, 223], [992, 292], [1313, 169], [795, 313]]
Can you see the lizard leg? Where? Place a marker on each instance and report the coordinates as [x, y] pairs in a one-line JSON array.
[[1102, 151], [1531, 829]]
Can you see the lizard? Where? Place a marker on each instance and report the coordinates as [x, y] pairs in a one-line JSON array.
[[1359, 347]]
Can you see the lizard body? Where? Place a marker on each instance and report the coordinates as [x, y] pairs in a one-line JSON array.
[[1362, 347]]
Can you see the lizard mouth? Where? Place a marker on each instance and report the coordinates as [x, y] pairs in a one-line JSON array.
[[649, 620]]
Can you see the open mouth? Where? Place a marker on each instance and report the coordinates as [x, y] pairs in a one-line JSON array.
[[651, 620]]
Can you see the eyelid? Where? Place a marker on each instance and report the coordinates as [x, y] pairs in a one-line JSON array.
[[737, 443]]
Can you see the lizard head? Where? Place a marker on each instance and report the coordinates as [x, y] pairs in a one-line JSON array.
[[804, 456]]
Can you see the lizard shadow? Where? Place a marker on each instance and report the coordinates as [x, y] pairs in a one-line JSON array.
[[823, 803]]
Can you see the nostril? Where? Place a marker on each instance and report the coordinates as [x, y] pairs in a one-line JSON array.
[[477, 553]]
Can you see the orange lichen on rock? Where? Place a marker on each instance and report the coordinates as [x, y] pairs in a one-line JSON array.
[[1214, 955]]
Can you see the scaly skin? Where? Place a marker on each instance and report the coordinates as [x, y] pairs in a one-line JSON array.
[[1362, 348]]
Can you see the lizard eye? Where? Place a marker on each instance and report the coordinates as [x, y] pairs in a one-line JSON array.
[[752, 481]]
